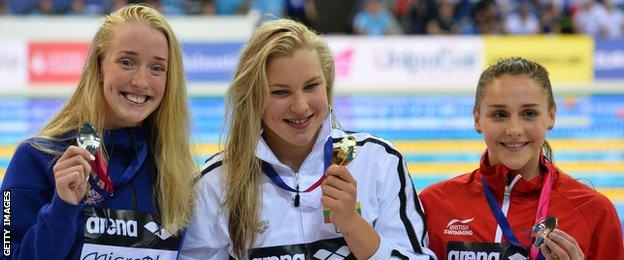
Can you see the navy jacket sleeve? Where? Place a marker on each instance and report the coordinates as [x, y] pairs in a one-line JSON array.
[[42, 225]]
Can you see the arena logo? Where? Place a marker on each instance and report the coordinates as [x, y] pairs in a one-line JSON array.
[[161, 233], [111, 226], [324, 254], [457, 227], [282, 257], [470, 255]]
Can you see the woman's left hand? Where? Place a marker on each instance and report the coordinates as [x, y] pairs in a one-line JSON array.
[[339, 196], [560, 245]]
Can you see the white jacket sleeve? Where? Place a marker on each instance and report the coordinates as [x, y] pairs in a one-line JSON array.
[[401, 219], [206, 235]]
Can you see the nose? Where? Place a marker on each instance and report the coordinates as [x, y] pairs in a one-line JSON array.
[[139, 78], [514, 128], [299, 105]]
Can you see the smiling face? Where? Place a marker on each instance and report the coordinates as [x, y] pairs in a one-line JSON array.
[[134, 74], [514, 116], [297, 103]]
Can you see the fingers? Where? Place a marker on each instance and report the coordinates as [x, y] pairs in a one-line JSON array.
[[553, 251], [564, 237], [567, 244], [74, 156], [339, 187], [337, 193], [64, 179], [71, 186], [73, 150], [559, 245], [545, 251], [70, 178], [340, 172]]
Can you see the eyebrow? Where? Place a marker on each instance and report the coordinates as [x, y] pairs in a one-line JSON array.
[[134, 53], [315, 78], [504, 106]]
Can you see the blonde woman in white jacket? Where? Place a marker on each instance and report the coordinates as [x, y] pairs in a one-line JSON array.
[[273, 193]]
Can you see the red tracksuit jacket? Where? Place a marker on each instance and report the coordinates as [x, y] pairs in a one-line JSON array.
[[462, 226]]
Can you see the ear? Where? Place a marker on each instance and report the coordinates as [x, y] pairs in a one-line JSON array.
[[551, 115], [477, 120]]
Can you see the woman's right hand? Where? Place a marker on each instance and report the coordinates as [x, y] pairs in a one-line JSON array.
[[71, 173], [560, 245]]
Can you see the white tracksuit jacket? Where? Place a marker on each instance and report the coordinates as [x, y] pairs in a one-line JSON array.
[[385, 193]]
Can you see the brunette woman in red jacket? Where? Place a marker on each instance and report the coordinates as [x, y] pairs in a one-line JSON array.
[[490, 212]]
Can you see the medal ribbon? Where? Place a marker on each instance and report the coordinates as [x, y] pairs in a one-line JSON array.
[[277, 180], [542, 209], [98, 166], [103, 183]]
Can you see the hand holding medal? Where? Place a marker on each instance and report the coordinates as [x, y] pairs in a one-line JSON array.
[[71, 171], [553, 242], [339, 188], [98, 177]]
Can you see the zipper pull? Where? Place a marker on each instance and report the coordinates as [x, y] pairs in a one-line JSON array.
[[507, 192], [297, 197]]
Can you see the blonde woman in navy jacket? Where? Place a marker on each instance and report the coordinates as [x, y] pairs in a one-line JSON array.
[[132, 90]]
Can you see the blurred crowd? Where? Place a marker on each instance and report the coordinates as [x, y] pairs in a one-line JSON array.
[[600, 18]]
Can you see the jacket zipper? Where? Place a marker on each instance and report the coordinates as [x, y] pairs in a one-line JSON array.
[[505, 206], [297, 206]]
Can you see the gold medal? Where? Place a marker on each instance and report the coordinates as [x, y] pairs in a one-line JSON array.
[[344, 151]]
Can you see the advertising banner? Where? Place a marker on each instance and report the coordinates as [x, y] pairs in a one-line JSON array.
[[210, 62], [13, 73], [609, 59], [568, 59], [407, 63], [56, 62]]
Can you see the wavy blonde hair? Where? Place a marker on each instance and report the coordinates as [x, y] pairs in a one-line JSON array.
[[168, 124], [246, 101]]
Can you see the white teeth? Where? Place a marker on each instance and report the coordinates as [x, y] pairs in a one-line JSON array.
[[135, 98], [298, 121], [514, 145]]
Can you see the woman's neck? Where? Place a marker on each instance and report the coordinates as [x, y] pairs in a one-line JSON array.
[[529, 175], [530, 171], [293, 156], [287, 153]]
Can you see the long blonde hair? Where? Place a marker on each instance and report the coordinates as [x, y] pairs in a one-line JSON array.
[[168, 124], [246, 100]]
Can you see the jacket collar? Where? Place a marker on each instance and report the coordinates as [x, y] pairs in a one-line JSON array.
[[498, 176], [124, 138], [264, 152]]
